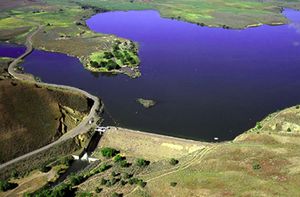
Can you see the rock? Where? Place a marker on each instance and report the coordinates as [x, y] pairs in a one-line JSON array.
[[147, 103]]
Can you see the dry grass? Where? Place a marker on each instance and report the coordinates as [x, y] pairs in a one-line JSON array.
[[261, 162], [151, 146], [31, 116]]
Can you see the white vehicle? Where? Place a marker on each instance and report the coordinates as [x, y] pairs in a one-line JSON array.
[[101, 129]]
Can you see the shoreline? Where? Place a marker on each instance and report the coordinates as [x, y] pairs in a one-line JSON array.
[[81, 128]]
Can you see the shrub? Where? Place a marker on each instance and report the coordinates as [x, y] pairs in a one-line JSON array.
[[141, 183], [113, 181], [94, 64], [133, 181], [108, 184], [115, 194], [137, 181], [103, 181], [103, 168], [256, 166], [142, 162], [45, 168], [62, 190], [123, 182], [126, 175], [173, 184], [173, 161], [118, 158], [289, 130], [113, 173], [84, 194], [258, 125], [124, 164], [108, 152], [76, 179], [297, 107], [5, 185], [58, 191], [14, 174], [98, 190], [108, 55], [111, 65], [67, 160], [118, 54]]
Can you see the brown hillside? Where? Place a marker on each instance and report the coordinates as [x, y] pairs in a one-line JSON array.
[[32, 116]]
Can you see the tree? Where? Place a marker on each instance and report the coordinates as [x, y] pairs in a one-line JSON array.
[[62, 190], [118, 54], [126, 175], [118, 158], [142, 183], [108, 55], [142, 162], [5, 185], [94, 64], [256, 166], [124, 164], [98, 190], [173, 162], [76, 179], [103, 168], [113, 173], [14, 174], [114, 181], [123, 182], [111, 65], [108, 152], [44, 168], [103, 181], [115, 194]]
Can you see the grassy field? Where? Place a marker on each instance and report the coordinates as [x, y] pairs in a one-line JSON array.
[[261, 162], [64, 31], [216, 13], [33, 116]]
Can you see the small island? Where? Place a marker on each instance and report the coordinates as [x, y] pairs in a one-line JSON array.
[[122, 58], [147, 103]]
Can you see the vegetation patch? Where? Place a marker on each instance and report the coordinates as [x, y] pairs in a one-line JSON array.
[[122, 56]]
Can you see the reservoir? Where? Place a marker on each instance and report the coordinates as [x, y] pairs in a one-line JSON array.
[[208, 82]]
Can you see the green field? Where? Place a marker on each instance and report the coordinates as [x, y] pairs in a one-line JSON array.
[[216, 13], [64, 28]]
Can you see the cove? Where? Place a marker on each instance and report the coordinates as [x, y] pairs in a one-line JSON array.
[[208, 82]]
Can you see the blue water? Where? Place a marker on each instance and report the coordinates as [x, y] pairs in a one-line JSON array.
[[10, 50], [209, 82]]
